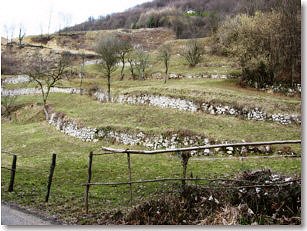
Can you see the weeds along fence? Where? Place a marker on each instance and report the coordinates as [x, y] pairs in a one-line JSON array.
[[13, 170], [185, 155], [14, 165]]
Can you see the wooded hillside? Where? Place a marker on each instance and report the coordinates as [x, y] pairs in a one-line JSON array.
[[188, 18]]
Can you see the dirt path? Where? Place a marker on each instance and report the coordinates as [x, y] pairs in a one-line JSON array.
[[13, 216]]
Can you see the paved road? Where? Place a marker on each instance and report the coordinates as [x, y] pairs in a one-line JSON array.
[[11, 216]]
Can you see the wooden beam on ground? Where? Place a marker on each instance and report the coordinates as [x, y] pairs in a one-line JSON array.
[[153, 152]]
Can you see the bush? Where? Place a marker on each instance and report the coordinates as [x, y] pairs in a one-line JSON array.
[[193, 52], [267, 45], [258, 77]]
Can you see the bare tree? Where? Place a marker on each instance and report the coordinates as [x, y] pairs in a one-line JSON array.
[[49, 21], [141, 61], [193, 52], [8, 105], [131, 62], [108, 50], [125, 48], [81, 74], [41, 29], [9, 33], [47, 73], [66, 21], [6, 29], [21, 35], [165, 55], [12, 30]]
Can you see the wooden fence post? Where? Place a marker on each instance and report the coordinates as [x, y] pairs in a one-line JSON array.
[[13, 171], [89, 177], [185, 156], [52, 167], [129, 172]]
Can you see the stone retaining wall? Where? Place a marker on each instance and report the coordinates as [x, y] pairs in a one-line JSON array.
[[188, 105], [16, 79], [160, 75], [73, 128], [33, 91]]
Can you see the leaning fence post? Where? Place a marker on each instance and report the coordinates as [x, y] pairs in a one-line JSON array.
[[129, 172], [89, 177], [13, 171], [52, 167]]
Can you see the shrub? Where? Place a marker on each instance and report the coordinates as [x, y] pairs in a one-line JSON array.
[[193, 52], [259, 77], [266, 44], [141, 62]]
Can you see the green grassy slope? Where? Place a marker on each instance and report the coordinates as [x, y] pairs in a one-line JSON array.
[[156, 121], [37, 141]]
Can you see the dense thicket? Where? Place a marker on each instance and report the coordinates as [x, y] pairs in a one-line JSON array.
[[267, 45], [188, 18]]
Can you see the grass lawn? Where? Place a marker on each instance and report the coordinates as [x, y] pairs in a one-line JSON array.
[[34, 142]]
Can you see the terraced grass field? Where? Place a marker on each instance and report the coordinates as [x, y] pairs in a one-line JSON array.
[[153, 120], [29, 136]]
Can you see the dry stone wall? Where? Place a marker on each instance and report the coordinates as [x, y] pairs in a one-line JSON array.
[[16, 79], [160, 75], [33, 91], [207, 107], [164, 141]]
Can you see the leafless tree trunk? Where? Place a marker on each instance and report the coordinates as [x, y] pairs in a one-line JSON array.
[[131, 65], [125, 47], [21, 35], [165, 55], [46, 73], [81, 74]]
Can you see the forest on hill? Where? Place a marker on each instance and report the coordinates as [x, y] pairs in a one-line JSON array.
[[188, 18]]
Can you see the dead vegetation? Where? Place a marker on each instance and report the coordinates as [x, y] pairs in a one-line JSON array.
[[258, 197]]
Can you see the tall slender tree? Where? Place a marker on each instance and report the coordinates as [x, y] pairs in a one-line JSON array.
[[108, 48], [124, 48], [165, 55]]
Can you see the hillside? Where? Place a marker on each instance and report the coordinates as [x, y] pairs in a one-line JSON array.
[[187, 18], [207, 130], [77, 44], [149, 38]]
